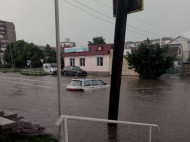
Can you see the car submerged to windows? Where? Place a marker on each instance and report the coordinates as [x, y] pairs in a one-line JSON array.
[[86, 84]]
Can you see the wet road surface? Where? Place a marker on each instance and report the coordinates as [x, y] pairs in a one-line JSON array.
[[165, 102]]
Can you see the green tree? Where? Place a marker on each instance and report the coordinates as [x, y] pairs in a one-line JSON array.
[[49, 55], [149, 60], [97, 40], [21, 52]]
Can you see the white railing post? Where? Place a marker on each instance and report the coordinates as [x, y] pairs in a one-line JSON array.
[[66, 130], [150, 134], [67, 117]]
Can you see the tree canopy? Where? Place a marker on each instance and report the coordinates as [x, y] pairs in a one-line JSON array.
[[49, 55], [22, 51], [97, 40], [149, 60]]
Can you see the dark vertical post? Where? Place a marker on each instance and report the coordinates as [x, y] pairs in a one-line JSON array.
[[119, 41]]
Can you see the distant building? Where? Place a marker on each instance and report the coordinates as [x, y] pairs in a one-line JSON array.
[[7, 35], [66, 44], [175, 50], [185, 42], [95, 59], [43, 47], [163, 41]]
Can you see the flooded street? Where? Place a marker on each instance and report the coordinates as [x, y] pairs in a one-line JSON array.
[[165, 102]]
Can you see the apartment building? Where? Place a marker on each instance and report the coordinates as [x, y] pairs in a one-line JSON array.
[[7, 35]]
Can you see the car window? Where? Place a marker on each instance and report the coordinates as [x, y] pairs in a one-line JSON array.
[[53, 65], [101, 82], [76, 68], [94, 82], [67, 68], [76, 83], [87, 83]]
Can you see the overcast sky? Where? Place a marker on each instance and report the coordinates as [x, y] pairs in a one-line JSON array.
[[34, 20]]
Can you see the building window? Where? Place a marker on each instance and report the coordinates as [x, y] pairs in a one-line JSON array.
[[99, 61], [179, 50], [72, 61], [82, 61]]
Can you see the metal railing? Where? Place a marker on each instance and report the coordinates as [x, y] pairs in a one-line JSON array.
[[35, 82], [32, 72], [64, 118]]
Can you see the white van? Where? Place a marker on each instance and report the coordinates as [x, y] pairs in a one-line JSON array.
[[50, 68]]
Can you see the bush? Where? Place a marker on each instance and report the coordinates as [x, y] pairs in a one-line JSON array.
[[149, 60], [5, 66]]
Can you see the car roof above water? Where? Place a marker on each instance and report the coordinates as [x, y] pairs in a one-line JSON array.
[[82, 79]]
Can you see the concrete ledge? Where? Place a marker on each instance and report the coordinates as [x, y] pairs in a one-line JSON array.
[[8, 114], [1, 113], [6, 124]]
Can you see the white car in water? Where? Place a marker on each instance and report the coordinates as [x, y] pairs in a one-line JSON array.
[[86, 84]]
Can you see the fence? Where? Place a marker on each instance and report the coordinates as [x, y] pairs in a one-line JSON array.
[[33, 72], [64, 118]]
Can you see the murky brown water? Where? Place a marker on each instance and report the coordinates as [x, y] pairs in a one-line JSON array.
[[165, 102]]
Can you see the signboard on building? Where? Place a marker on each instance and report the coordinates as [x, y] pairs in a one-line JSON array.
[[76, 49], [133, 6]]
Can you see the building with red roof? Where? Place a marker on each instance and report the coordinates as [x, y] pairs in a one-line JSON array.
[[96, 59]]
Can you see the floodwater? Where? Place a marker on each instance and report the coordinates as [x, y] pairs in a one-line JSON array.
[[165, 102]]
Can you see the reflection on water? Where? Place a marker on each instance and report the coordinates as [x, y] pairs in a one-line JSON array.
[[165, 101]]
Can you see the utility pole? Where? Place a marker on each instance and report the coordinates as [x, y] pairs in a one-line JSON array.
[[11, 54], [119, 41], [121, 9], [60, 131]]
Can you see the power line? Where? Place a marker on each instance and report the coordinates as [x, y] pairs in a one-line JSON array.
[[102, 4], [113, 19], [92, 9], [143, 21], [89, 13], [104, 19], [140, 33]]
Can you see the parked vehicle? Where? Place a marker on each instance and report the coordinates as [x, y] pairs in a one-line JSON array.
[[74, 71], [86, 84], [50, 68]]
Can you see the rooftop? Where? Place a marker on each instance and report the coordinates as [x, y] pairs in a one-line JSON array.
[[102, 49]]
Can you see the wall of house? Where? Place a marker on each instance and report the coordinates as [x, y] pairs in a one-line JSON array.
[[186, 70], [92, 68], [91, 64], [185, 48], [125, 69]]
